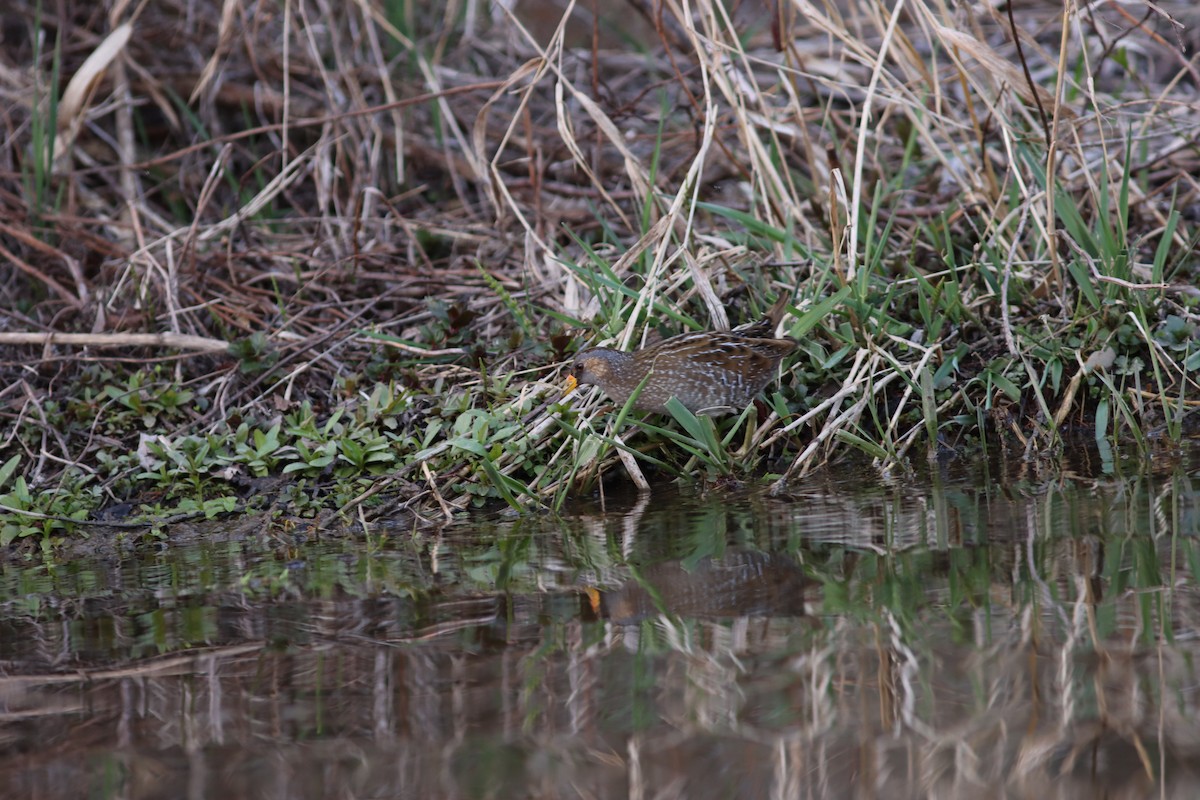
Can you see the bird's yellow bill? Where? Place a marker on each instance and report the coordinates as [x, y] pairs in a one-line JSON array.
[[572, 385], [593, 596]]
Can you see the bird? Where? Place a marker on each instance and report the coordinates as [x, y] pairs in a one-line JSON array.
[[709, 372]]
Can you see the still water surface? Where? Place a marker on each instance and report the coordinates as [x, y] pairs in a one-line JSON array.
[[977, 633]]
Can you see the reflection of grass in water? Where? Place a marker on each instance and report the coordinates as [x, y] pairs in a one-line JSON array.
[[1059, 610]]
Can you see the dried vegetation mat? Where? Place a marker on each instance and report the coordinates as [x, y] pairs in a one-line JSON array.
[[336, 256]]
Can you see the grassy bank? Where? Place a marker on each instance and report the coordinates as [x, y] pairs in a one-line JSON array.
[[319, 257]]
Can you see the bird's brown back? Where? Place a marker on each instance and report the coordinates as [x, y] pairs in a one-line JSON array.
[[707, 371]]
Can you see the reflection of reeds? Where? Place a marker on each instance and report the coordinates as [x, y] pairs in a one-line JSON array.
[[818, 709], [1040, 656]]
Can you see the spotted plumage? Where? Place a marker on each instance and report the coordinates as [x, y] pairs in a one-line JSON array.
[[710, 372]]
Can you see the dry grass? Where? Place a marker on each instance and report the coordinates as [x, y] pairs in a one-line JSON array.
[[481, 186]]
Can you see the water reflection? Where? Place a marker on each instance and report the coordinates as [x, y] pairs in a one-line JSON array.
[[938, 638], [740, 584]]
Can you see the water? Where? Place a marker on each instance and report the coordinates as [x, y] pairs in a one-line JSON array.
[[985, 633]]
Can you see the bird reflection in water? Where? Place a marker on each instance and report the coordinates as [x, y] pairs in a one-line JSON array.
[[739, 584]]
